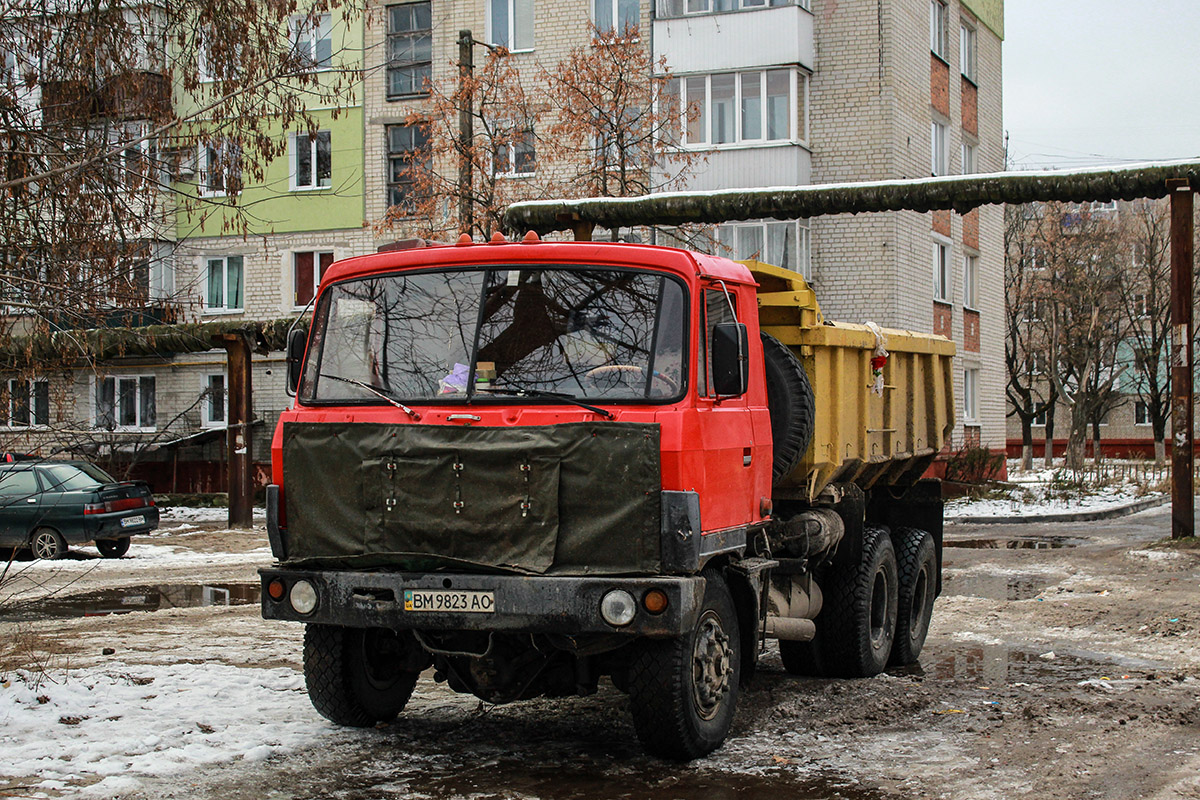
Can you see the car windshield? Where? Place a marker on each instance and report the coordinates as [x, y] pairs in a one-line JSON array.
[[592, 333], [72, 477]]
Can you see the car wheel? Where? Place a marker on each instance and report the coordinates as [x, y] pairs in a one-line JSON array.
[[47, 544], [113, 548]]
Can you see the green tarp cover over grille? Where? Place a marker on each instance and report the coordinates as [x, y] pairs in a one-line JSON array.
[[577, 498]]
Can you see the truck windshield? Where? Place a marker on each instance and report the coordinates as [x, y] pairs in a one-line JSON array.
[[592, 333]]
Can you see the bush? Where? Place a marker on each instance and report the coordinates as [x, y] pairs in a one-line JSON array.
[[974, 465]]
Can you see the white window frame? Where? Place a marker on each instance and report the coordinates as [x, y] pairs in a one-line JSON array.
[[297, 142], [802, 236], [673, 9], [614, 7], [227, 156], [970, 158], [940, 262], [1141, 409], [32, 385], [137, 379], [527, 138], [798, 86], [938, 14], [225, 307], [1039, 413], [510, 36], [212, 402], [968, 52], [939, 155], [316, 267], [970, 395], [306, 32], [970, 281]]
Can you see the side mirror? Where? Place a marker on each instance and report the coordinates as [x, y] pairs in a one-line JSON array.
[[296, 341], [730, 359]]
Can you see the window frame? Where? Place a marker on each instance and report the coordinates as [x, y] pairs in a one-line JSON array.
[[940, 261], [617, 28], [140, 381], [225, 308], [797, 101], [970, 406], [31, 403], [210, 404], [318, 269], [968, 52], [970, 281], [939, 13], [221, 156], [803, 243], [509, 42], [508, 152], [296, 141], [665, 11], [1039, 413], [309, 28], [411, 155], [415, 34], [970, 157], [939, 148], [1141, 410]]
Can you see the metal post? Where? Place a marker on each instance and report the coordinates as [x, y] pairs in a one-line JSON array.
[[238, 450], [466, 129], [1183, 520]]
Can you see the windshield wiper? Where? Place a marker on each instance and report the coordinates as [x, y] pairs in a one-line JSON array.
[[375, 390], [517, 391]]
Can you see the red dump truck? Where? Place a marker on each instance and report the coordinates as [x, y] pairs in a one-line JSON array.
[[532, 465]]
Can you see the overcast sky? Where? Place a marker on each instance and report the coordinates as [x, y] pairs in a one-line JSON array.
[[1090, 82]]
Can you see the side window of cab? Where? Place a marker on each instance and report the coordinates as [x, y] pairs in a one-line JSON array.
[[715, 310]]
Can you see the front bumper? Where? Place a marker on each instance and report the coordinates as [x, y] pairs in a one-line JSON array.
[[561, 604]]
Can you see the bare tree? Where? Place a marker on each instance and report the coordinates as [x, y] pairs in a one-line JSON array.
[[1024, 339]]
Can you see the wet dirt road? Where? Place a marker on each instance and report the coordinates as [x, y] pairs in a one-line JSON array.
[[1064, 662]]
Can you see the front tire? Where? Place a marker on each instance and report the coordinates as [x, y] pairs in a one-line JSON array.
[[113, 548], [47, 544], [916, 557], [354, 676], [683, 691]]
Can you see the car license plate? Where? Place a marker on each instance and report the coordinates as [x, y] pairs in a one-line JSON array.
[[449, 601], [129, 522]]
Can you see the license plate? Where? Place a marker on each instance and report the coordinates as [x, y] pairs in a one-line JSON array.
[[449, 601], [129, 522]]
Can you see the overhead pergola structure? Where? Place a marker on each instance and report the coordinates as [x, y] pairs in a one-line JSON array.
[[1177, 179], [239, 340]]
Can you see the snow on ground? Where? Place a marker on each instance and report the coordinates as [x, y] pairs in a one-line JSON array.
[[112, 725], [171, 514], [1046, 491]]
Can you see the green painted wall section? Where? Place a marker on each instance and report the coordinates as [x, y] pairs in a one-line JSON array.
[[989, 12]]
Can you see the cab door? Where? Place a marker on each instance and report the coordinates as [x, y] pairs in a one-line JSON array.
[[724, 428], [20, 506]]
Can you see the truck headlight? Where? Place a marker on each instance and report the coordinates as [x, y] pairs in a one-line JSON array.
[[618, 607], [303, 597]]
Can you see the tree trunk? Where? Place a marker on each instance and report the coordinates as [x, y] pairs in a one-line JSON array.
[[1048, 453], [1160, 452], [1076, 439], [1096, 443], [1026, 444]]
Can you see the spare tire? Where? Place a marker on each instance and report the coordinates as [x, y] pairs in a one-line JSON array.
[[790, 400]]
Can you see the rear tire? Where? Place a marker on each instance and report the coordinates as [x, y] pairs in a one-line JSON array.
[[113, 548], [683, 691], [857, 626], [916, 559], [47, 544], [800, 658], [354, 675]]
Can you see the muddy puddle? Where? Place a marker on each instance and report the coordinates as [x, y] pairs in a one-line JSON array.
[[996, 587], [997, 665], [135, 598], [1045, 543]]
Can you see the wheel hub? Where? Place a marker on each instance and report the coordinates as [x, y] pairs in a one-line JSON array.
[[712, 667]]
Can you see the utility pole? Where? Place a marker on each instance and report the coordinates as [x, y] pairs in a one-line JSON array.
[[1183, 520], [237, 443], [466, 128]]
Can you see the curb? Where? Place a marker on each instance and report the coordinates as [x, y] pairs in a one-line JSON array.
[[1070, 516]]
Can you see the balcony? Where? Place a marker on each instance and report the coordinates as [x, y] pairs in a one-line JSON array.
[[736, 40], [128, 95]]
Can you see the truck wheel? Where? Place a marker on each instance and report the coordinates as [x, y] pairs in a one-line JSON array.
[[857, 626], [683, 691], [790, 401], [916, 561], [353, 675], [113, 548], [800, 658], [47, 544]]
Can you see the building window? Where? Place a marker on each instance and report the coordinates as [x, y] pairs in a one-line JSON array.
[[225, 281], [619, 16], [784, 244], [970, 395], [125, 402], [1039, 414], [27, 403], [312, 42], [215, 397], [510, 24], [220, 165], [517, 155], [969, 158], [937, 28], [941, 271], [966, 52], [736, 107], [939, 163], [308, 268], [410, 49], [408, 156], [1141, 413], [678, 8], [312, 156], [970, 281]]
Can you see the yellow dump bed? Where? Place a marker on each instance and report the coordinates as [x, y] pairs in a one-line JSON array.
[[866, 431]]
